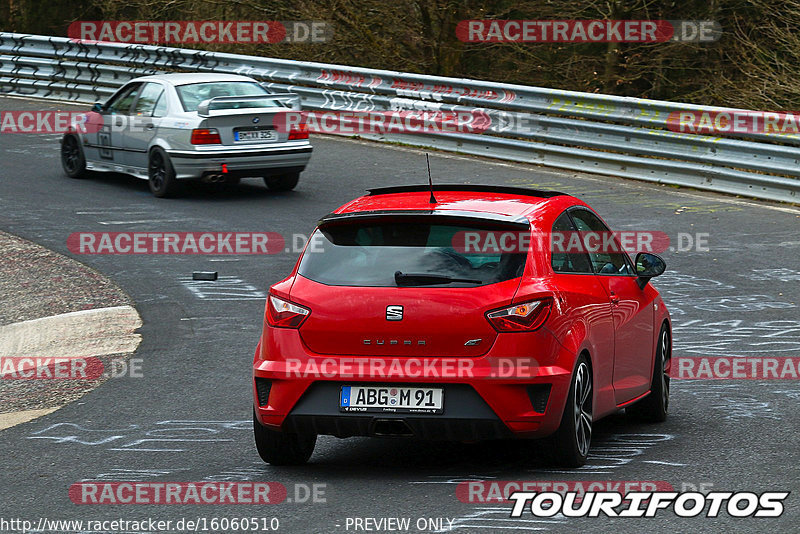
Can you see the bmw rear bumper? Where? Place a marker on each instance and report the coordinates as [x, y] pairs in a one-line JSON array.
[[260, 161]]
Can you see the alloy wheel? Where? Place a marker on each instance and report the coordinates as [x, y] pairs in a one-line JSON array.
[[665, 357], [158, 171], [70, 153], [583, 408]]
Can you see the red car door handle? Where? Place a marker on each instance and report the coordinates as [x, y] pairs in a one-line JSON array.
[[614, 299]]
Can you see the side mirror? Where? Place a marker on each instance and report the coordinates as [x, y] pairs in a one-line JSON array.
[[648, 266], [98, 107]]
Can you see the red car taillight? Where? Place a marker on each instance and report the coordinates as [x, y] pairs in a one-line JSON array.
[[284, 314], [524, 317], [205, 136], [298, 132]]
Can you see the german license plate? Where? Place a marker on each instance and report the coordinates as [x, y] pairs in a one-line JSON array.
[[391, 399], [255, 135]]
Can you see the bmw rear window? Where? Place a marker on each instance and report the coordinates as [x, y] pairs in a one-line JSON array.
[[425, 253]]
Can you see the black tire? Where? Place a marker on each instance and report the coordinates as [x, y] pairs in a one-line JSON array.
[[161, 175], [72, 159], [655, 407], [282, 448], [282, 182], [573, 438]]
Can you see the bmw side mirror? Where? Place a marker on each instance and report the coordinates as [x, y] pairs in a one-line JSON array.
[[98, 107], [648, 266]]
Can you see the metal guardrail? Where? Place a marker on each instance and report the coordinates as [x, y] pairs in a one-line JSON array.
[[595, 133]]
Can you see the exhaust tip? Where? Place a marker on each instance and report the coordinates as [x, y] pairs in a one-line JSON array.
[[392, 428]]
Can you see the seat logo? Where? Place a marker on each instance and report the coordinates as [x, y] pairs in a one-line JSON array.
[[394, 313]]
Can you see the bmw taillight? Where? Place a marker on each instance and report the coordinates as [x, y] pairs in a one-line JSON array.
[[524, 317], [205, 136], [284, 314], [298, 132]]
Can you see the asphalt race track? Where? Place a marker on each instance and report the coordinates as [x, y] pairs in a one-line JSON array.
[[189, 417]]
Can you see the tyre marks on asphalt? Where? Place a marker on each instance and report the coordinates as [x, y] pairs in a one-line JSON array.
[[484, 518], [691, 291], [116, 474], [617, 450], [732, 404], [770, 275], [133, 214], [608, 454], [161, 436], [690, 298], [737, 337]]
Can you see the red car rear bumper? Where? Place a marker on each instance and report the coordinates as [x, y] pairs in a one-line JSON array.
[[501, 379]]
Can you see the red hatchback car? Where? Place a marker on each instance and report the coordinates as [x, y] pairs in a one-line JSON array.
[[410, 313]]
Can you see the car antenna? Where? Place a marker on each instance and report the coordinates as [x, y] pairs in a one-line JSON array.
[[430, 180]]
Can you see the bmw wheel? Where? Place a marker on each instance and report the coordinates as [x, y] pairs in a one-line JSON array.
[[282, 182], [72, 159], [161, 174], [573, 438]]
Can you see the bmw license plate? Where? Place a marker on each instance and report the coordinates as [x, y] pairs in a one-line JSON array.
[[391, 399], [255, 135]]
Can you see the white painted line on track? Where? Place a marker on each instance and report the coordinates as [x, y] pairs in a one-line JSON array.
[[81, 334], [7, 420]]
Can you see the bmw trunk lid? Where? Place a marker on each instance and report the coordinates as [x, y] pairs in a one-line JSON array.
[[247, 120], [246, 127]]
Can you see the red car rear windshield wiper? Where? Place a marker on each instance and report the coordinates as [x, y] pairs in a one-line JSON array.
[[428, 279]]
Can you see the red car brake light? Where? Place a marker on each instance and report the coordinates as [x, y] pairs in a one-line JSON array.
[[298, 132], [284, 314], [205, 136], [524, 317]]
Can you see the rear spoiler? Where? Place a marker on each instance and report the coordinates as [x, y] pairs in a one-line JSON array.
[[452, 216], [203, 109]]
